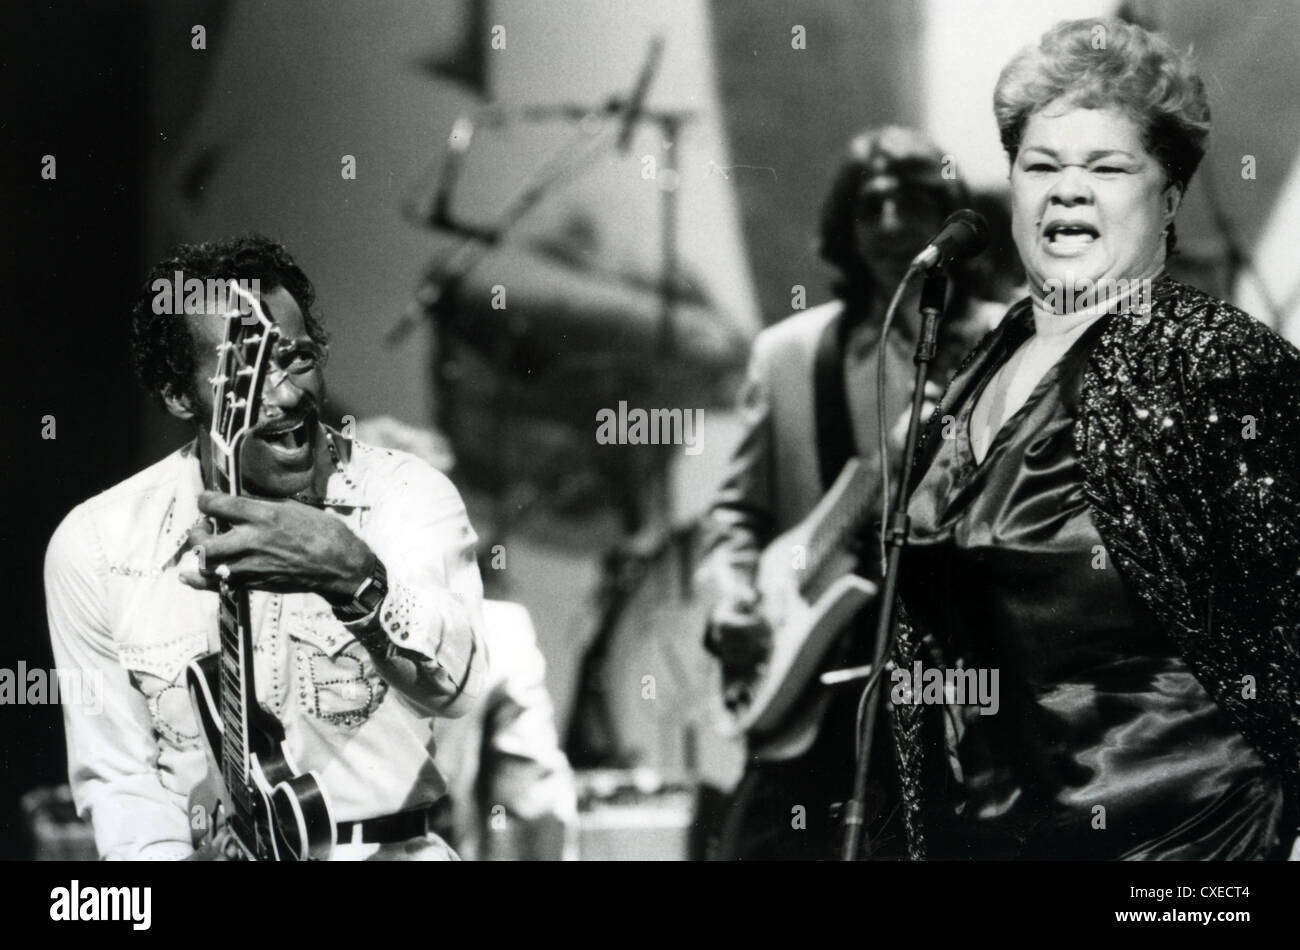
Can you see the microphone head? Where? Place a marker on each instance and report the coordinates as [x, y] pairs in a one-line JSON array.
[[965, 234], [973, 236]]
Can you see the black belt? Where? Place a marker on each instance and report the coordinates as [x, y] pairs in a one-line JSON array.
[[412, 823]]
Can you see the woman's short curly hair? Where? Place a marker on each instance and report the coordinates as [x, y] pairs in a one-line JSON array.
[[1107, 62], [162, 346]]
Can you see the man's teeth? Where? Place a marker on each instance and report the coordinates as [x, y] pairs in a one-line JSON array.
[[290, 438]]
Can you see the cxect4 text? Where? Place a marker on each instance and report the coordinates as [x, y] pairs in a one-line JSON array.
[[1208, 890]]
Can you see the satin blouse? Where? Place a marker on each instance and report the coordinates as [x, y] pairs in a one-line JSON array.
[[1100, 743]]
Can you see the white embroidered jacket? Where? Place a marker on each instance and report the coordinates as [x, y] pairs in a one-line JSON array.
[[119, 614]]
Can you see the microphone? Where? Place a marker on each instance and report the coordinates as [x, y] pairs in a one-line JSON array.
[[965, 234]]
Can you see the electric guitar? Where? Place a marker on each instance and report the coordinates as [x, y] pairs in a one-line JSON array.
[[809, 592], [255, 804]]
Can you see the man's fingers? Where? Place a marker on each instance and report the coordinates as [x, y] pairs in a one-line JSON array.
[[200, 533], [199, 581], [220, 557], [232, 509], [742, 639], [743, 655], [746, 600], [736, 616], [236, 570], [214, 549]]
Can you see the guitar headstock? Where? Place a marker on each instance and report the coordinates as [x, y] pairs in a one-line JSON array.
[[243, 359]]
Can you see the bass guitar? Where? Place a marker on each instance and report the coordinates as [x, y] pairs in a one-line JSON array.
[[810, 591]]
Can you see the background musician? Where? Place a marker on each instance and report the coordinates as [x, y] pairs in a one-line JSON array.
[[808, 405]]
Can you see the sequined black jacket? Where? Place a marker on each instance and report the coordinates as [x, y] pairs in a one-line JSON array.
[[1188, 434]]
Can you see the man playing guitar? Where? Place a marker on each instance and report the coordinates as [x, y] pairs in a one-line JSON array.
[[364, 602], [809, 406]]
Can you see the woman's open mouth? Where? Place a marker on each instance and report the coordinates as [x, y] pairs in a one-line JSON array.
[[1067, 237]]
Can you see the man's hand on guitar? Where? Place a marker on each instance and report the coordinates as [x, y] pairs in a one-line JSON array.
[[738, 634], [742, 640], [281, 546]]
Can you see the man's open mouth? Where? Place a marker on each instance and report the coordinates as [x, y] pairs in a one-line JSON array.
[[288, 434], [1068, 234]]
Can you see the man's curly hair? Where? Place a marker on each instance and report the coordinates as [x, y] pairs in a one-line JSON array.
[[162, 347]]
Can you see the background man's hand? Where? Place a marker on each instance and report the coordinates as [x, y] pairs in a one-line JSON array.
[[738, 633], [281, 546]]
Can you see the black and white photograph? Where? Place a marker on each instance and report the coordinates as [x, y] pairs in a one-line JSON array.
[[653, 431]]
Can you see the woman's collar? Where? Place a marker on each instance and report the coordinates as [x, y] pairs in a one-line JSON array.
[[1051, 318]]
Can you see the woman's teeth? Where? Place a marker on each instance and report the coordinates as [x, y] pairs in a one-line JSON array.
[[1071, 236]]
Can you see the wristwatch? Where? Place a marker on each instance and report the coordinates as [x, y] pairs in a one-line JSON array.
[[361, 611]]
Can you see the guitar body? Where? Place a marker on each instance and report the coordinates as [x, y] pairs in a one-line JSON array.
[[291, 818], [809, 594]]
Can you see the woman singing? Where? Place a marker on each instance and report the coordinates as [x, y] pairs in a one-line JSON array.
[[1105, 509]]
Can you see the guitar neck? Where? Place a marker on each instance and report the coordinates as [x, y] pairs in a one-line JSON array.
[[237, 691], [238, 688], [851, 505]]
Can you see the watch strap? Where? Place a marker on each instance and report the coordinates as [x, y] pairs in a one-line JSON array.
[[367, 599]]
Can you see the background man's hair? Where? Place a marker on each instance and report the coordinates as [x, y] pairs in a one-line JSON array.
[[913, 158]]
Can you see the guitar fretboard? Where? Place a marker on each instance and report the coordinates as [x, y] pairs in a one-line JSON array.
[[854, 502], [236, 680]]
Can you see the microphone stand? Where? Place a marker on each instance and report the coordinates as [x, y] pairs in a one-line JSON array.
[[932, 296], [476, 241]]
